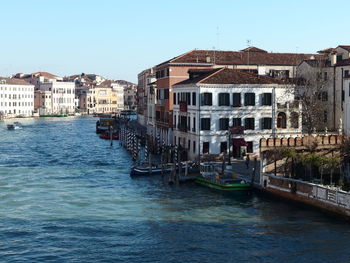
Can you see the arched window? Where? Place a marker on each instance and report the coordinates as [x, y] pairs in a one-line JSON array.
[[294, 120], [281, 120]]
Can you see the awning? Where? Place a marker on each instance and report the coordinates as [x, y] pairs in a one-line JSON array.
[[239, 142]]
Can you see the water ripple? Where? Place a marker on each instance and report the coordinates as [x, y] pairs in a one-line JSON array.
[[66, 196]]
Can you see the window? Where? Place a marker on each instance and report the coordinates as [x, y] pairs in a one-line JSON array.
[[266, 123], [194, 98], [236, 100], [294, 120], [224, 99], [325, 116], [223, 147], [237, 122], [206, 99], [189, 145], [249, 99], [188, 98], [324, 96], [281, 120], [174, 98], [267, 99], [205, 147], [346, 74], [205, 124], [194, 124], [250, 147], [194, 146], [249, 124], [223, 124], [166, 94], [325, 76]]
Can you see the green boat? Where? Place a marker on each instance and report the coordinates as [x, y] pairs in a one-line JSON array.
[[55, 115], [211, 178]]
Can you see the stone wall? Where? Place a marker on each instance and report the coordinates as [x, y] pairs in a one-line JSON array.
[[328, 198], [301, 142]]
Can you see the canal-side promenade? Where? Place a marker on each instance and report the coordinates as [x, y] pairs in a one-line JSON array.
[[66, 196]]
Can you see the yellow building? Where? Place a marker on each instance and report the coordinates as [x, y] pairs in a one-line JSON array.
[[106, 100]]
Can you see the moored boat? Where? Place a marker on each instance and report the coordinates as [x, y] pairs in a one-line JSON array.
[[108, 137], [147, 170], [104, 124], [211, 178], [144, 169], [55, 115]]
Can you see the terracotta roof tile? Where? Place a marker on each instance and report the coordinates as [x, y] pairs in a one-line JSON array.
[[253, 49], [241, 58], [346, 47], [15, 81], [231, 76], [45, 74]]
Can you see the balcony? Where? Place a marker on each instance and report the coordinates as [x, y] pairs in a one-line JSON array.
[[182, 127], [183, 106]]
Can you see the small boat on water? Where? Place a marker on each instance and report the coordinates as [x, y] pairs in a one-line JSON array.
[[14, 126], [144, 169], [211, 178]]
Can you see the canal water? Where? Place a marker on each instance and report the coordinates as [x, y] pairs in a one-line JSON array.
[[66, 196]]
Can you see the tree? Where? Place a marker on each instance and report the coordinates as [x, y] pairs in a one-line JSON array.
[[287, 153], [332, 163], [313, 83], [321, 163]]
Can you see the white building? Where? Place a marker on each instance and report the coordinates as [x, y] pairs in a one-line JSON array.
[[55, 96], [130, 97], [119, 95], [16, 98], [62, 97], [332, 72], [212, 102]]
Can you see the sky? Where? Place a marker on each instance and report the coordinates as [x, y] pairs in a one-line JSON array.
[[118, 39]]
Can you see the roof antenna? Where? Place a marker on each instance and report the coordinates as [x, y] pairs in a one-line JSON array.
[[248, 48], [217, 37], [214, 55]]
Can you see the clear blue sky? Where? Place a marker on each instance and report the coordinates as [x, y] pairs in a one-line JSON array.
[[118, 39]]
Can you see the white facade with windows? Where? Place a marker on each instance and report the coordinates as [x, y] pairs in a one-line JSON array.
[[16, 98], [203, 113], [60, 95], [120, 95]]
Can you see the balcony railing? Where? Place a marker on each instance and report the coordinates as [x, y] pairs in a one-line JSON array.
[[182, 127]]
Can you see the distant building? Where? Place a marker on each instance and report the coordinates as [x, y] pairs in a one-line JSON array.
[[130, 97], [53, 95], [106, 99], [16, 98], [119, 93]]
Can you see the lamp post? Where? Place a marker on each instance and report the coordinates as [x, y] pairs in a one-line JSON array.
[[229, 148]]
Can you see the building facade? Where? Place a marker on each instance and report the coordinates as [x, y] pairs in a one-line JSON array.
[[130, 97], [16, 98], [173, 71], [55, 97], [229, 111]]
